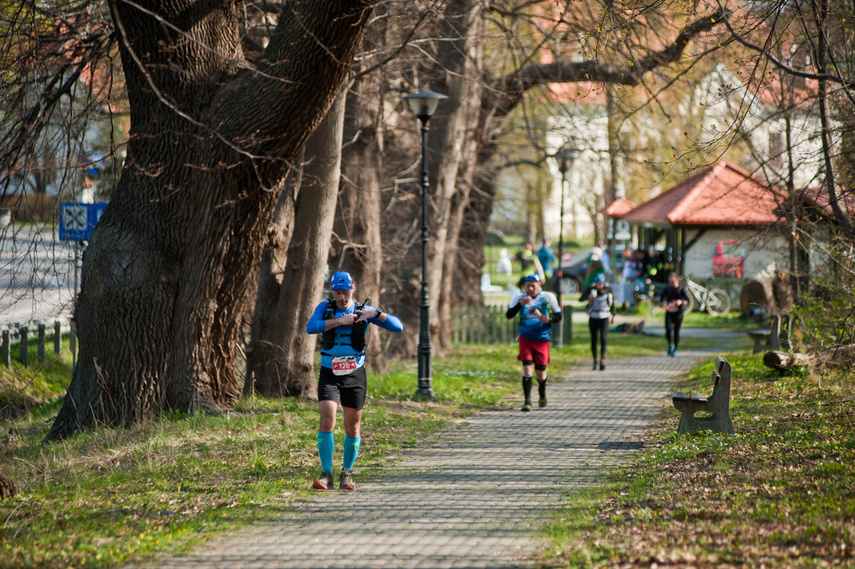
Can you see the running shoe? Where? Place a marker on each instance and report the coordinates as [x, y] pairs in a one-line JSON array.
[[595, 365], [324, 481], [542, 401], [526, 406], [602, 365], [345, 480]]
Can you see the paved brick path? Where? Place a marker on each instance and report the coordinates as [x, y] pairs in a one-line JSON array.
[[472, 495]]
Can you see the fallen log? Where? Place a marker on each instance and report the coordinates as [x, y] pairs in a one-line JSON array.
[[840, 356], [785, 361]]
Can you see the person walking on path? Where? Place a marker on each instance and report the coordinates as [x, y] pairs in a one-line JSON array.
[[547, 258], [674, 298], [538, 310], [601, 313], [344, 326], [630, 273], [594, 269]]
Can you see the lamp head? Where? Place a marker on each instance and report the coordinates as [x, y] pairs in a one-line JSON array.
[[423, 103], [565, 160]]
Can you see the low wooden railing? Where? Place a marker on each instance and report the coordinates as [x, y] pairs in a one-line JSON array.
[[20, 335], [489, 325]]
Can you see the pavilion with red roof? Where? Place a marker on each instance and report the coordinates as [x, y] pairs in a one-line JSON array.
[[722, 211]]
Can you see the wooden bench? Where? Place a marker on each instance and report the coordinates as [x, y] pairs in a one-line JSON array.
[[762, 339], [717, 404]]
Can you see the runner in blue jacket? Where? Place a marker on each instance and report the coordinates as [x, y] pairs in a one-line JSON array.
[[343, 325]]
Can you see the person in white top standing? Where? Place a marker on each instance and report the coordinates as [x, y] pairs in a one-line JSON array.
[[601, 313]]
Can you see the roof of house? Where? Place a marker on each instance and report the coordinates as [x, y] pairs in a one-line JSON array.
[[818, 198], [618, 208], [720, 195]]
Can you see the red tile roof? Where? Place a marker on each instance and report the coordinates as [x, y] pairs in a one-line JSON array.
[[818, 198], [618, 208], [722, 194]]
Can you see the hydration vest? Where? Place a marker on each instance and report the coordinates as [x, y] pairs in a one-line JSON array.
[[357, 332]]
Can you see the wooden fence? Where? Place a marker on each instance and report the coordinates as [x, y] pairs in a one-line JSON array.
[[489, 325], [20, 334]]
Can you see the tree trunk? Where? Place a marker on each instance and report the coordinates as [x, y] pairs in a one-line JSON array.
[[614, 188], [452, 131], [280, 358], [170, 267], [455, 263], [841, 214], [837, 357], [357, 244], [272, 268], [473, 235]]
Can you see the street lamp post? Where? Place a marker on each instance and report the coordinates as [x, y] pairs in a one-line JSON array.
[[423, 103], [565, 160]]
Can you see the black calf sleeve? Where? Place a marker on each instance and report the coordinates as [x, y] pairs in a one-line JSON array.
[[526, 385]]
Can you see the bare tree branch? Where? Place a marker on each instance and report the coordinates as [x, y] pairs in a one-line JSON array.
[[512, 87], [780, 64]]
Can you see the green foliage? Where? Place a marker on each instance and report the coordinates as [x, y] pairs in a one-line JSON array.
[[827, 316]]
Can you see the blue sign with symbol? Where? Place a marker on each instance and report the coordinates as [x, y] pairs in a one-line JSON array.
[[77, 220]]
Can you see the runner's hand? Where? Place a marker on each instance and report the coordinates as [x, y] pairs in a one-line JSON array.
[[366, 317], [348, 319]]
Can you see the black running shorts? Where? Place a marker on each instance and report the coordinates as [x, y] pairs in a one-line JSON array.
[[349, 390]]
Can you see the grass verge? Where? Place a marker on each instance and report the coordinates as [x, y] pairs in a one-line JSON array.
[[110, 496], [779, 493]]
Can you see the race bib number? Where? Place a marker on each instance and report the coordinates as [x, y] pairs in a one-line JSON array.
[[343, 365]]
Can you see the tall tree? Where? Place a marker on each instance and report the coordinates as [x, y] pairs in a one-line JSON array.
[[171, 265], [357, 246], [625, 63], [280, 356]]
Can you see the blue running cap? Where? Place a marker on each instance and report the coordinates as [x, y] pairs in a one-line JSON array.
[[341, 281]]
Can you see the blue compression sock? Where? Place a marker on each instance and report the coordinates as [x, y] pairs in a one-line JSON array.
[[326, 444], [351, 449]]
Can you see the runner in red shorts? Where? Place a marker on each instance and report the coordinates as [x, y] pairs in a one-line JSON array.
[[538, 310]]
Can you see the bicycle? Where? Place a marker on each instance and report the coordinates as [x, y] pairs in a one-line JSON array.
[[713, 300]]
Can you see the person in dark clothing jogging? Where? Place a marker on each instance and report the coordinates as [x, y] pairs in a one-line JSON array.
[[601, 313], [674, 298], [538, 310], [343, 325]]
